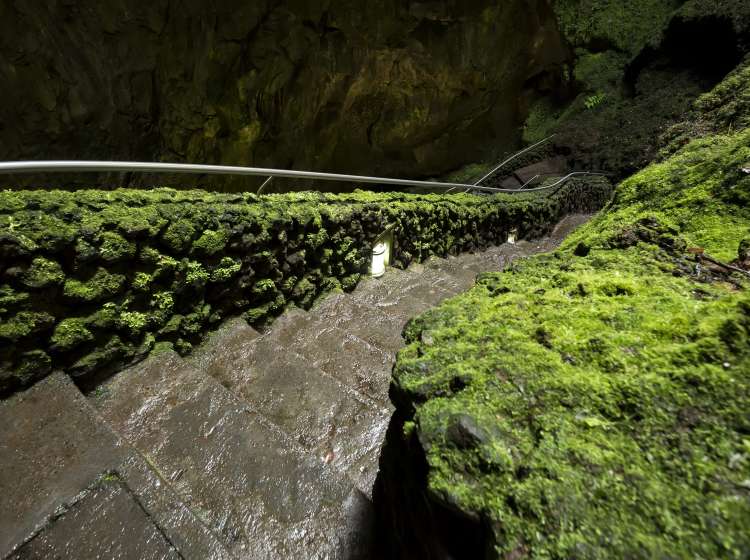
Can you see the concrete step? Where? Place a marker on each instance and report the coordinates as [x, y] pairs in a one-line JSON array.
[[335, 423], [221, 348], [326, 389], [401, 294], [377, 311], [456, 268], [260, 493], [72, 489], [354, 362]]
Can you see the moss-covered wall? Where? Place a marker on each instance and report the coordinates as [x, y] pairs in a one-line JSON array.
[[593, 402], [92, 279]]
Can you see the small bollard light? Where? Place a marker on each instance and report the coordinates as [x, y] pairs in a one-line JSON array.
[[379, 254]]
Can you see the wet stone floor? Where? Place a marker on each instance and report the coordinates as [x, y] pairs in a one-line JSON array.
[[258, 445]]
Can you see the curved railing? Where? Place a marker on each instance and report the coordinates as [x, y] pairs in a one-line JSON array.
[[63, 166]]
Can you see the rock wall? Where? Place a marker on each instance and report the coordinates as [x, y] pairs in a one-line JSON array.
[[637, 66], [90, 280], [383, 87]]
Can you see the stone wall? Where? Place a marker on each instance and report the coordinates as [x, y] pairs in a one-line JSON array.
[[94, 279]]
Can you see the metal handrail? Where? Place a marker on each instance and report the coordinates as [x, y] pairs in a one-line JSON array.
[[511, 158], [506, 162], [13, 167]]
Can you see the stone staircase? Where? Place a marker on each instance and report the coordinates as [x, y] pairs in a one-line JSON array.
[[259, 445]]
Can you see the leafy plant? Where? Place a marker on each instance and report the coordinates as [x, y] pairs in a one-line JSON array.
[[593, 101]]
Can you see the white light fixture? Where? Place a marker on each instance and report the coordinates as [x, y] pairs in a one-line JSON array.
[[381, 254]]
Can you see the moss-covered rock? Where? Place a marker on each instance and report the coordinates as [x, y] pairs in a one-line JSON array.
[[24, 324], [100, 286], [43, 273], [210, 242], [592, 402], [70, 333], [635, 72], [115, 248]]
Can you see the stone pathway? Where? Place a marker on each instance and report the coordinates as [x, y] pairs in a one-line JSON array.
[[259, 445]]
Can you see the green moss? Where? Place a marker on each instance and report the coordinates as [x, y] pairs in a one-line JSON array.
[[210, 242], [724, 109], [133, 322], [32, 366], [11, 299], [115, 248], [141, 281], [195, 323], [70, 333], [43, 273], [102, 285], [195, 275], [112, 352], [264, 287], [610, 389], [622, 407], [24, 324], [104, 318], [227, 269], [172, 326], [178, 237], [163, 301], [627, 26], [303, 293]]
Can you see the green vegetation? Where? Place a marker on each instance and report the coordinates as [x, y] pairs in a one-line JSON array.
[[625, 26], [43, 273], [632, 78], [91, 280], [593, 402], [70, 333]]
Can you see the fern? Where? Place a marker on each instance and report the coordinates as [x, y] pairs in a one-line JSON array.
[[593, 101]]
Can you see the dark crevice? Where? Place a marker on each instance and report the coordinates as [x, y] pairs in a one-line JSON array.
[[708, 47]]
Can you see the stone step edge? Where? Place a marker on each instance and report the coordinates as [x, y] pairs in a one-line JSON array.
[[137, 461], [283, 437]]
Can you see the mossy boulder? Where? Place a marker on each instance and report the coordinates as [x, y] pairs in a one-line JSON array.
[[115, 248], [70, 333], [24, 324], [589, 403], [99, 286]]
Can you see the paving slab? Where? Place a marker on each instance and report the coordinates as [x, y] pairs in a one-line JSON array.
[[256, 488], [221, 348], [354, 362], [53, 450], [362, 320], [50, 450], [84, 529], [336, 424], [456, 267]]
